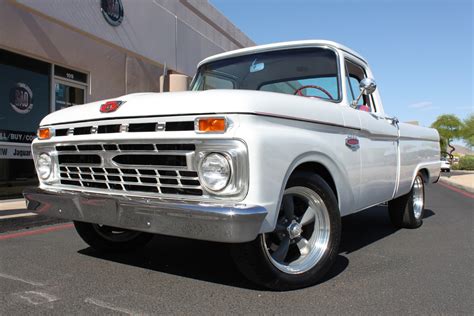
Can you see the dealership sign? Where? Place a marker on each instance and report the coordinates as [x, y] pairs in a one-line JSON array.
[[15, 152], [21, 98], [16, 136], [112, 10]]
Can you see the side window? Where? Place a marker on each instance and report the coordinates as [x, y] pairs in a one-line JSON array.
[[353, 90], [210, 82], [354, 74]]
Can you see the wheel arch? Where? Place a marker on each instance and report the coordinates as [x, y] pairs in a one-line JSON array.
[[425, 173], [328, 169], [319, 169]]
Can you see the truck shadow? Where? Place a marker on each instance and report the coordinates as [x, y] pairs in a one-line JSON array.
[[367, 227], [211, 262]]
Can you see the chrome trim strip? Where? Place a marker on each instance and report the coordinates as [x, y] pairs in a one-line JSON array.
[[418, 138], [299, 119]]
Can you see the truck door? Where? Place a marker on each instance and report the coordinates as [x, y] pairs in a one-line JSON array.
[[379, 165], [378, 141]]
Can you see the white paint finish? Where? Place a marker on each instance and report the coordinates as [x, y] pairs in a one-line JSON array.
[[17, 215], [283, 132], [378, 147], [277, 146], [280, 46], [211, 101]]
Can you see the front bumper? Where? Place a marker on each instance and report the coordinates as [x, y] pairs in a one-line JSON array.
[[197, 220]]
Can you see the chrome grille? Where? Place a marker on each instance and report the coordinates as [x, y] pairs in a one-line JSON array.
[[126, 127], [130, 167]]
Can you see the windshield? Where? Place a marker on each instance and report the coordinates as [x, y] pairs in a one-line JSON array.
[[310, 72]]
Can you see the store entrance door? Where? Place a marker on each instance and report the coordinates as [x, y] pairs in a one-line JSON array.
[[68, 94]]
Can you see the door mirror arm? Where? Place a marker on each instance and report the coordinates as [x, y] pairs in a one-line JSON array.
[[367, 86]]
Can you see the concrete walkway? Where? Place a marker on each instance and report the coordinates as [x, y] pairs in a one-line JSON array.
[[16, 204], [463, 181]]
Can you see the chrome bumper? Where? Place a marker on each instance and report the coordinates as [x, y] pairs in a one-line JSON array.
[[224, 223]]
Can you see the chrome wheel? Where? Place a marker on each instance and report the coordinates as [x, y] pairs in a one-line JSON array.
[[115, 234], [302, 233], [418, 198]]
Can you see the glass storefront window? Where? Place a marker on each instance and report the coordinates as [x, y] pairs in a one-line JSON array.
[[67, 95], [25, 98], [24, 101]]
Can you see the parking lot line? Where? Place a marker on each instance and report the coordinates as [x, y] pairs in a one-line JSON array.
[[36, 231], [17, 215]]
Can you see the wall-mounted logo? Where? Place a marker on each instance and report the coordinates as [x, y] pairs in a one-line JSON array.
[[112, 11], [21, 98]]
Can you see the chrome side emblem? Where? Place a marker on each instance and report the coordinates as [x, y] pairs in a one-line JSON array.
[[352, 142]]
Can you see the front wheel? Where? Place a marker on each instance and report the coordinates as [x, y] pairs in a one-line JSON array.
[[407, 211], [305, 242], [110, 239]]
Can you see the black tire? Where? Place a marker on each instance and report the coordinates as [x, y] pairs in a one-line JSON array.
[[402, 210], [103, 239], [252, 258]]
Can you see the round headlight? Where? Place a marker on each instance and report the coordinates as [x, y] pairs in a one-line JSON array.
[[44, 166], [215, 172]]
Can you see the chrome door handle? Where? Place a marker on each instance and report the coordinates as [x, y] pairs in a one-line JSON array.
[[393, 119]]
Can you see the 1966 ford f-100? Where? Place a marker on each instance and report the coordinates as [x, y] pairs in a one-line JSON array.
[[270, 148]]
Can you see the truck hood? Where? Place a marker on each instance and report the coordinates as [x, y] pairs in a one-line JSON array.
[[201, 103]]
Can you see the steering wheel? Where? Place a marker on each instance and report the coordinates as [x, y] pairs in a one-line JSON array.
[[300, 93]]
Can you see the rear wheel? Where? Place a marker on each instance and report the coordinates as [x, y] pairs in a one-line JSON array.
[[305, 241], [111, 239], [407, 211]]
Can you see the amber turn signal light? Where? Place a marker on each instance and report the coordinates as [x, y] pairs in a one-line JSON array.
[[44, 133], [212, 125]]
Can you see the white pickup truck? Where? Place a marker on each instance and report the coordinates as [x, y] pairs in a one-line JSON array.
[[270, 148]]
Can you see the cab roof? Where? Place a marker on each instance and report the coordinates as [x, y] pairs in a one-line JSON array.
[[280, 46]]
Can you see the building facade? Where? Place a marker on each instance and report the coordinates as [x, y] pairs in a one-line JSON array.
[[60, 53]]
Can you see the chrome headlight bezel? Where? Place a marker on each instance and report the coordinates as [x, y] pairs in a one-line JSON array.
[[39, 149], [44, 166], [235, 153]]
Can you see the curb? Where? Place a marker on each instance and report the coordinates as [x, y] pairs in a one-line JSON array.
[[457, 185], [454, 171]]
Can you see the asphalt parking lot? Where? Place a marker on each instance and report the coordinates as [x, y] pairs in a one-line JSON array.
[[50, 270]]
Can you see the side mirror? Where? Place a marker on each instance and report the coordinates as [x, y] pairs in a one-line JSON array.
[[367, 86]]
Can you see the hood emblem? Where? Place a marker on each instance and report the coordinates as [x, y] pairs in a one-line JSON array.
[[110, 106]]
